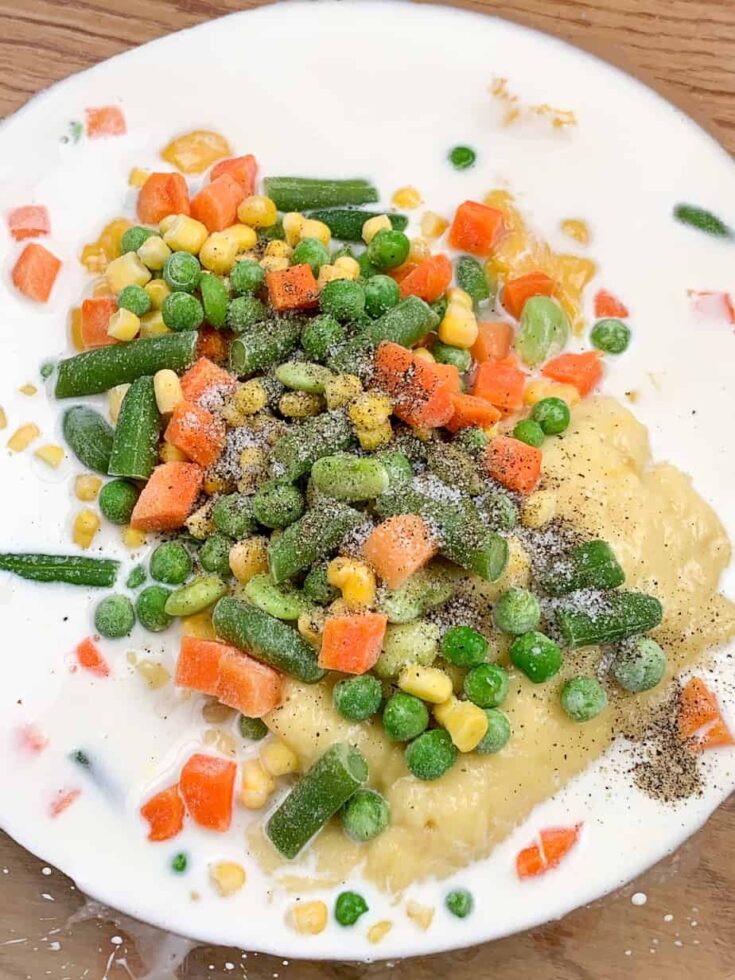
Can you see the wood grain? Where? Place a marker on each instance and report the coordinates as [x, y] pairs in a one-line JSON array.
[[686, 48]]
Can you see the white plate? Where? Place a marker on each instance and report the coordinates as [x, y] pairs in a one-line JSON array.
[[382, 90]]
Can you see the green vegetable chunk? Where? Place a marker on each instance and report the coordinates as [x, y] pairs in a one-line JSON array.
[[179, 863], [397, 465], [71, 569], [537, 656], [497, 735], [302, 376], [404, 717], [263, 347], [388, 249], [317, 796], [381, 294], [320, 336], [614, 617], [610, 335], [517, 611], [171, 563], [117, 500], [486, 685], [47, 369], [544, 329], [702, 220], [472, 278], [150, 608], [281, 601], [135, 444], [304, 193], [245, 312], [320, 436], [89, 437], [349, 477], [343, 299], [136, 577], [583, 698], [346, 224], [182, 272], [253, 729], [464, 646], [552, 414], [233, 515], [196, 595], [472, 439], [457, 356], [215, 300], [316, 586], [455, 467], [405, 324], [135, 299], [462, 157], [358, 698], [498, 510], [182, 311], [367, 269], [114, 616], [311, 252], [591, 565], [530, 432], [407, 643], [349, 907], [639, 665], [431, 755], [214, 555], [246, 277], [365, 815], [310, 538], [134, 237], [277, 504]]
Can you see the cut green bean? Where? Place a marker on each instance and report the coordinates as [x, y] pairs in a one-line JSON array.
[[472, 278], [263, 346], [591, 565], [281, 601], [70, 569], [405, 324], [455, 467], [312, 537], [138, 429], [196, 595], [305, 193], [609, 619], [346, 223], [702, 220], [323, 435], [89, 437], [348, 477], [424, 590]]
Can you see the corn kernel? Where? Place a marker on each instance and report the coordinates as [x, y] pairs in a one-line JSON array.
[[248, 399], [422, 915], [243, 236], [96, 255], [101, 287], [419, 250], [300, 404], [258, 211], [538, 509], [86, 487], [379, 931], [542, 388], [433, 225], [338, 608], [227, 877], [165, 223], [279, 759], [23, 437], [199, 625], [576, 229], [309, 918], [428, 683], [465, 722], [292, 224], [200, 524], [138, 176], [124, 325], [154, 674], [460, 297], [348, 267], [381, 222], [424, 354], [132, 538], [274, 263], [311, 228], [310, 625], [213, 483], [3, 419], [115, 398], [372, 439], [354, 579], [152, 325], [28, 389], [75, 330], [257, 785], [328, 273], [126, 270], [167, 388], [340, 390], [370, 410], [406, 197], [51, 455], [169, 453], [459, 327], [218, 253], [158, 290], [93, 258], [86, 525], [154, 251], [194, 152], [249, 558], [278, 249]]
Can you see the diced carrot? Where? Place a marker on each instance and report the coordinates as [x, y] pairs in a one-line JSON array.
[[198, 666], [700, 718], [429, 280], [419, 396], [398, 547], [164, 813], [196, 432], [243, 169], [608, 305], [470, 410], [216, 204], [530, 862], [500, 382], [64, 799], [162, 195], [202, 377], [476, 228], [583, 371], [448, 375], [517, 291], [213, 344], [96, 313], [206, 784], [513, 463], [106, 120], [168, 497], [554, 844], [400, 273], [31, 739], [89, 657], [29, 221], [247, 684], [35, 272], [494, 339], [292, 289], [352, 643]]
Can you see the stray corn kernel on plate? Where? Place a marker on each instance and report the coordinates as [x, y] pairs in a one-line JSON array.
[[351, 611]]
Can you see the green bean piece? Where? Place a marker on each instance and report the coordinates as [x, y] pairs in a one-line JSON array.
[[459, 902], [98, 573], [114, 616], [323, 435], [456, 356], [302, 376], [356, 356], [610, 335], [498, 510], [263, 346], [702, 220], [313, 536], [397, 465], [305, 193], [407, 644], [431, 755], [609, 619], [473, 439], [639, 665], [462, 157], [517, 611], [464, 646], [591, 565], [348, 477], [455, 467], [583, 698], [320, 336], [254, 729], [367, 269], [246, 277], [486, 685], [405, 324], [171, 563], [89, 437], [537, 656], [138, 429], [103, 368], [346, 224], [497, 735], [281, 601], [277, 504], [381, 294], [544, 329], [349, 907], [215, 300], [318, 795], [273, 234], [214, 555], [439, 306], [233, 515], [136, 577], [195, 596], [358, 698], [266, 638], [404, 717], [117, 500], [365, 815], [150, 608], [471, 277]]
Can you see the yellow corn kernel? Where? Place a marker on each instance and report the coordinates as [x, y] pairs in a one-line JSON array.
[[227, 877], [153, 253], [23, 437], [576, 229], [169, 453], [199, 624], [194, 152], [152, 325], [77, 341], [310, 625], [244, 237], [348, 267], [165, 223], [28, 389], [93, 257], [433, 225], [422, 915], [311, 228], [3, 419], [381, 222], [86, 487], [101, 287], [248, 399], [274, 263], [465, 722], [292, 224], [340, 390], [370, 410], [258, 211], [459, 327], [406, 197], [424, 354], [328, 273], [167, 388], [96, 255], [249, 558], [218, 253], [154, 674], [428, 683], [200, 524], [419, 250], [338, 608], [538, 509], [257, 785], [460, 297], [123, 325], [354, 579], [132, 538], [216, 484], [138, 176], [543, 388], [309, 918], [279, 759], [278, 249], [253, 469], [300, 404], [379, 931], [86, 525], [158, 290], [372, 439], [126, 270], [115, 398], [51, 455]]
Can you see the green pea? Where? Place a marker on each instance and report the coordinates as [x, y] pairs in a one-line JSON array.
[[381, 294], [552, 414], [117, 500], [610, 335], [486, 685], [182, 311], [497, 734], [367, 269], [583, 698], [170, 563], [135, 299], [537, 656], [215, 300], [388, 249], [134, 237], [404, 717], [310, 251], [639, 665], [349, 907], [136, 577], [150, 608], [245, 312], [278, 504], [529, 431], [464, 646], [320, 336], [462, 157], [201, 592], [365, 815], [358, 698], [246, 276], [182, 272], [343, 299], [430, 755], [459, 902], [233, 515], [214, 555], [114, 616], [472, 439], [517, 611], [544, 328], [253, 729], [47, 369], [179, 863], [446, 354]]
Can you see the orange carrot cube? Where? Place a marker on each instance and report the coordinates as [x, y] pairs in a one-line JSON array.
[[513, 463], [206, 784], [168, 497], [243, 169], [29, 221], [294, 288], [35, 272], [500, 382], [202, 377], [398, 547], [470, 410], [96, 313], [161, 195], [196, 432], [517, 291], [216, 204], [164, 813], [351, 644], [494, 339], [476, 228], [584, 371]]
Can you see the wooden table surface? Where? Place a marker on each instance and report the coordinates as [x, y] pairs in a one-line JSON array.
[[686, 928]]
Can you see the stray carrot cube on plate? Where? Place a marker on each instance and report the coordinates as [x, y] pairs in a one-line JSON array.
[[106, 120], [164, 813], [35, 272], [206, 784], [29, 221]]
